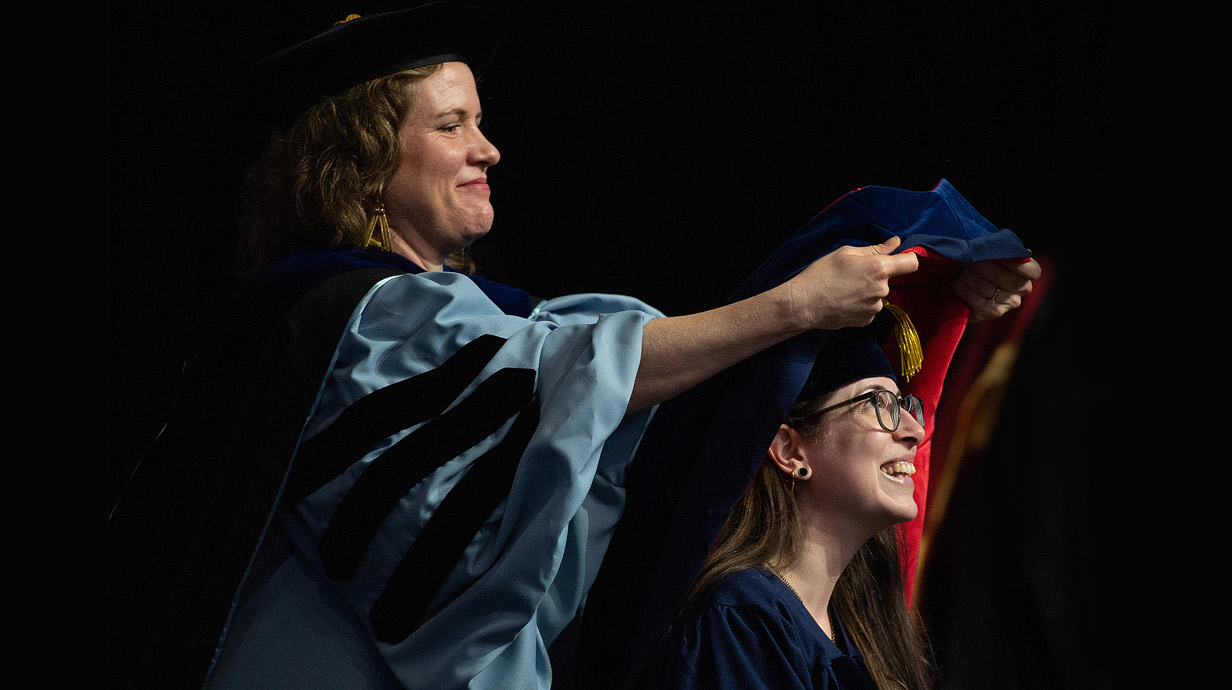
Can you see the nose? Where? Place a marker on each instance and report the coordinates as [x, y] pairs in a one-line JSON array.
[[481, 153], [909, 429]]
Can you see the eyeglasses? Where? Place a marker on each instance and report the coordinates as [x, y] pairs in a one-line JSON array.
[[884, 402]]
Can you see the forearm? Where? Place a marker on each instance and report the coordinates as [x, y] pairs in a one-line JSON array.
[[682, 351]]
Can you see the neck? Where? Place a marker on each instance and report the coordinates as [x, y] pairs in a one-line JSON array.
[[822, 557], [427, 260]]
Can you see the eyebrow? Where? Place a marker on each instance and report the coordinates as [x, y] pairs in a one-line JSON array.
[[457, 112], [878, 387]]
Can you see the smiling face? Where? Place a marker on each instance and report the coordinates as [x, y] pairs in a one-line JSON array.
[[860, 474], [437, 201]]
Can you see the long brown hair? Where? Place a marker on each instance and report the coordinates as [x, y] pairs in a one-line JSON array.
[[319, 181], [763, 529]]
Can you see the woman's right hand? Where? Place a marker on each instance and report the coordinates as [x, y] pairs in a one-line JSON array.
[[845, 287], [842, 289]]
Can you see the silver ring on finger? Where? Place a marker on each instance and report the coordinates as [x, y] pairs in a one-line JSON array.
[[993, 299]]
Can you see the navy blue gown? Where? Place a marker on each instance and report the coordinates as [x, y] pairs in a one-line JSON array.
[[753, 632]]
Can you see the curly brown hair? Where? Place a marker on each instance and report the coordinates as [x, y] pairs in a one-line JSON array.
[[319, 181]]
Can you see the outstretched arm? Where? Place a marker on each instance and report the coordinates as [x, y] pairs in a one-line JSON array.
[[842, 289]]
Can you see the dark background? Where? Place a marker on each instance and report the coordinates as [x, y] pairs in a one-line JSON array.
[[661, 153]]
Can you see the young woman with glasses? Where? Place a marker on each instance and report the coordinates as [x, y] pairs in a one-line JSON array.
[[803, 587]]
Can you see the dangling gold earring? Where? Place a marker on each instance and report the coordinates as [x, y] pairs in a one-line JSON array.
[[378, 229]]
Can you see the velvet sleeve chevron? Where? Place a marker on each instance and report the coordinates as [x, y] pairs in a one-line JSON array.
[[452, 494]]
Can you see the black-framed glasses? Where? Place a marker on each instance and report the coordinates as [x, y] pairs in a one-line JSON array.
[[886, 402]]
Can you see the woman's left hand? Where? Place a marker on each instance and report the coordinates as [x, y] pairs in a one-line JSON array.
[[992, 288]]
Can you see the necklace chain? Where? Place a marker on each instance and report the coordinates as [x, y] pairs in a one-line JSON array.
[[793, 591]]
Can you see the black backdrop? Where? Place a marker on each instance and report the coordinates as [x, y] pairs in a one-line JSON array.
[[659, 150]]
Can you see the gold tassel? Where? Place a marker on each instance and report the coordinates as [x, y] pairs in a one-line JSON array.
[[378, 230], [909, 348]]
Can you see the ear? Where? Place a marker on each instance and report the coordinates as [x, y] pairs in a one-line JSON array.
[[786, 450]]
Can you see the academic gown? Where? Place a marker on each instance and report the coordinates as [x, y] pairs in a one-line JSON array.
[[752, 631], [396, 478]]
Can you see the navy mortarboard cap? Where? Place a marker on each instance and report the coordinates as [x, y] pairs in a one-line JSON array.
[[703, 447], [360, 48], [857, 353]]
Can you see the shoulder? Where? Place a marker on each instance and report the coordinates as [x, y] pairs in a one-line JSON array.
[[753, 601], [742, 634], [753, 587]]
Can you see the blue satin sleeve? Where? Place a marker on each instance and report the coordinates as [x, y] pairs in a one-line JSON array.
[[523, 576]]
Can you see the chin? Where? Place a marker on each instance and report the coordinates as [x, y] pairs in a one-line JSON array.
[[906, 514], [897, 512], [466, 237], [473, 232]]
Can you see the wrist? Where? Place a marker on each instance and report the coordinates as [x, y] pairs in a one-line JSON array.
[[792, 309]]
